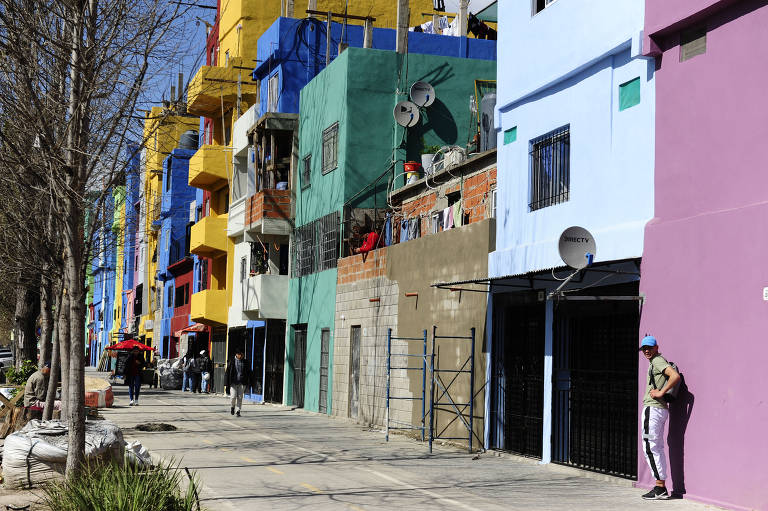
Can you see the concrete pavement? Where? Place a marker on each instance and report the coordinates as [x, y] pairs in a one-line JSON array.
[[276, 458]]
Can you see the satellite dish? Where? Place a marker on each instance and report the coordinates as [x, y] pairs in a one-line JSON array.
[[577, 247], [422, 93], [406, 114]]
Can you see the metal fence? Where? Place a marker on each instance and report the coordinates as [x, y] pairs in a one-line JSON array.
[[550, 169]]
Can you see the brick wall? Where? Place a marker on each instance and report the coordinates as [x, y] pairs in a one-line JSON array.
[[268, 204], [353, 268]]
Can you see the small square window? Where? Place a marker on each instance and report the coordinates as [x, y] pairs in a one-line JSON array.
[[306, 171], [510, 135], [330, 147], [629, 94], [273, 92], [693, 42]]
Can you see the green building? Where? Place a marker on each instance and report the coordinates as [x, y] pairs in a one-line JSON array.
[[350, 151]]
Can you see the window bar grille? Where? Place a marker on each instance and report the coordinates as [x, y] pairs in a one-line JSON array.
[[550, 169]]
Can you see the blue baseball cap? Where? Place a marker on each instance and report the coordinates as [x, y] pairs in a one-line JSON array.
[[648, 341]]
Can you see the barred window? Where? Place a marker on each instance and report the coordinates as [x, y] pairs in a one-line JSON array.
[[330, 147], [550, 169], [306, 171], [316, 245], [273, 92]]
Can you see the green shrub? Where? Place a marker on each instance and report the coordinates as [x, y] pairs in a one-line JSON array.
[[21, 375], [110, 487]]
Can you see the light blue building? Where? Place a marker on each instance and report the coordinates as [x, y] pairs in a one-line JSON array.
[[132, 194], [103, 271], [575, 122]]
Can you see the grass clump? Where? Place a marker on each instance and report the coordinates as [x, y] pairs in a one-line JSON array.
[[112, 487]]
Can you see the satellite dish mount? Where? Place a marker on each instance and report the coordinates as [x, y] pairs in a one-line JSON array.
[[577, 249]]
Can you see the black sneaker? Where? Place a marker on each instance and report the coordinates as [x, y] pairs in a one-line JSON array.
[[238, 414], [656, 493], [232, 411]]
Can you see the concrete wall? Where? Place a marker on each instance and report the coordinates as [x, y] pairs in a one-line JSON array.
[[704, 264], [574, 80]]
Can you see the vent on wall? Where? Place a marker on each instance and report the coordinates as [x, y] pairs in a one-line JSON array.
[[693, 42]]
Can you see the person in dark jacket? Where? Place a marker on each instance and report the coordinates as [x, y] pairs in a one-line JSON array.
[[133, 367], [206, 368], [238, 376]]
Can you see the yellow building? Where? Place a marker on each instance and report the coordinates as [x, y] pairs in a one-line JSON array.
[[118, 229], [163, 128], [222, 93]]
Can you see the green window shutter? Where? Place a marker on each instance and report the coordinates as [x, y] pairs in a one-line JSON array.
[[629, 94], [510, 135]]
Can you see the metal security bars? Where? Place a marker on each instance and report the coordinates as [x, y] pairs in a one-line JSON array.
[[330, 147], [317, 245], [403, 363], [550, 169]]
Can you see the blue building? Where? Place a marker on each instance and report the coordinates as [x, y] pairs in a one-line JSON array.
[[128, 325], [103, 271], [575, 123]]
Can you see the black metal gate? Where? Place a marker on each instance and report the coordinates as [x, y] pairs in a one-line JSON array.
[[594, 405], [219, 356], [325, 342], [299, 361], [275, 361], [354, 371], [518, 373], [257, 359]]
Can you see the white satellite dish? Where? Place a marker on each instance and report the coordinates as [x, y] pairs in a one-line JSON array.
[[422, 93], [577, 247], [406, 114]]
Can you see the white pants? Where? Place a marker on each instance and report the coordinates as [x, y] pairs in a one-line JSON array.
[[236, 392], [653, 420]]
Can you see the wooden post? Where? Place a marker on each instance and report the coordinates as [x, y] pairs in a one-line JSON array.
[[368, 33], [403, 20], [328, 41], [435, 20], [463, 5]]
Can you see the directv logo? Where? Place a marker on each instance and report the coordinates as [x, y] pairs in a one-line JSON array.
[[575, 240]]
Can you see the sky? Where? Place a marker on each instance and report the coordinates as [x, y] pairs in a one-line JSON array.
[[474, 5]]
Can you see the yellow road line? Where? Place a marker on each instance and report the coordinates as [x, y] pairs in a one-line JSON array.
[[248, 460], [355, 508], [207, 441], [225, 449], [311, 488], [275, 470]]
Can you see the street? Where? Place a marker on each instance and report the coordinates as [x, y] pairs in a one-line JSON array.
[[276, 458]]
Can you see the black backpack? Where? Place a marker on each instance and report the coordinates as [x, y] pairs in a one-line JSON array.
[[671, 395]]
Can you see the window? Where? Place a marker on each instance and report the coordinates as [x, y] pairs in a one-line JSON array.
[[317, 245], [330, 147], [693, 42], [629, 94], [259, 258], [510, 135], [273, 92], [306, 171], [203, 275], [243, 265], [170, 296], [168, 176], [540, 5], [493, 203], [179, 297], [550, 169]]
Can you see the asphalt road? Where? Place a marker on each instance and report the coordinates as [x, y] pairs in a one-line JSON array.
[[281, 459]]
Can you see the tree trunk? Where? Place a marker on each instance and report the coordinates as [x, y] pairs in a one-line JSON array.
[[27, 309], [76, 396], [46, 320], [63, 340], [55, 366]]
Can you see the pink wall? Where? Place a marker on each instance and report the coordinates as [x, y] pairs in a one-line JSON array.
[[705, 261]]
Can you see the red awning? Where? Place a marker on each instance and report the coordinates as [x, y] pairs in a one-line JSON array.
[[197, 327], [129, 345]]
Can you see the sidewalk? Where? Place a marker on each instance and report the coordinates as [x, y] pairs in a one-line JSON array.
[[276, 458]]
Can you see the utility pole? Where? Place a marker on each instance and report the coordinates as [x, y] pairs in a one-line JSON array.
[[463, 6], [403, 20], [368, 33]]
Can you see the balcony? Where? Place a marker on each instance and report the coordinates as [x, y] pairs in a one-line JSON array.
[[209, 236], [209, 307], [214, 84], [210, 167], [269, 212], [266, 296]]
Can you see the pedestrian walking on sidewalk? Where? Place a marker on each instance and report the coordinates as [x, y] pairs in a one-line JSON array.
[[661, 378], [193, 373], [238, 375], [206, 369], [185, 374], [133, 367]]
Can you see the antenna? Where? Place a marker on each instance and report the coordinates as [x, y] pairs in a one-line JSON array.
[[406, 114], [577, 247], [422, 94]]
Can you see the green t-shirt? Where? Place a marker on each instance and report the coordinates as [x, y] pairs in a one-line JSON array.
[[658, 365]]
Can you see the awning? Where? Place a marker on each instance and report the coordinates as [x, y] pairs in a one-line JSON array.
[[197, 327], [490, 13]]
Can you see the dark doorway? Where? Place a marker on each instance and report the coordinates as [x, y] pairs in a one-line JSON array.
[[299, 361], [354, 371], [256, 355], [325, 343], [594, 402], [517, 398], [275, 361], [219, 357]]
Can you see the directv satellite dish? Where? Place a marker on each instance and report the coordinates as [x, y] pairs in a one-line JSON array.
[[422, 93], [406, 114], [577, 247]]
